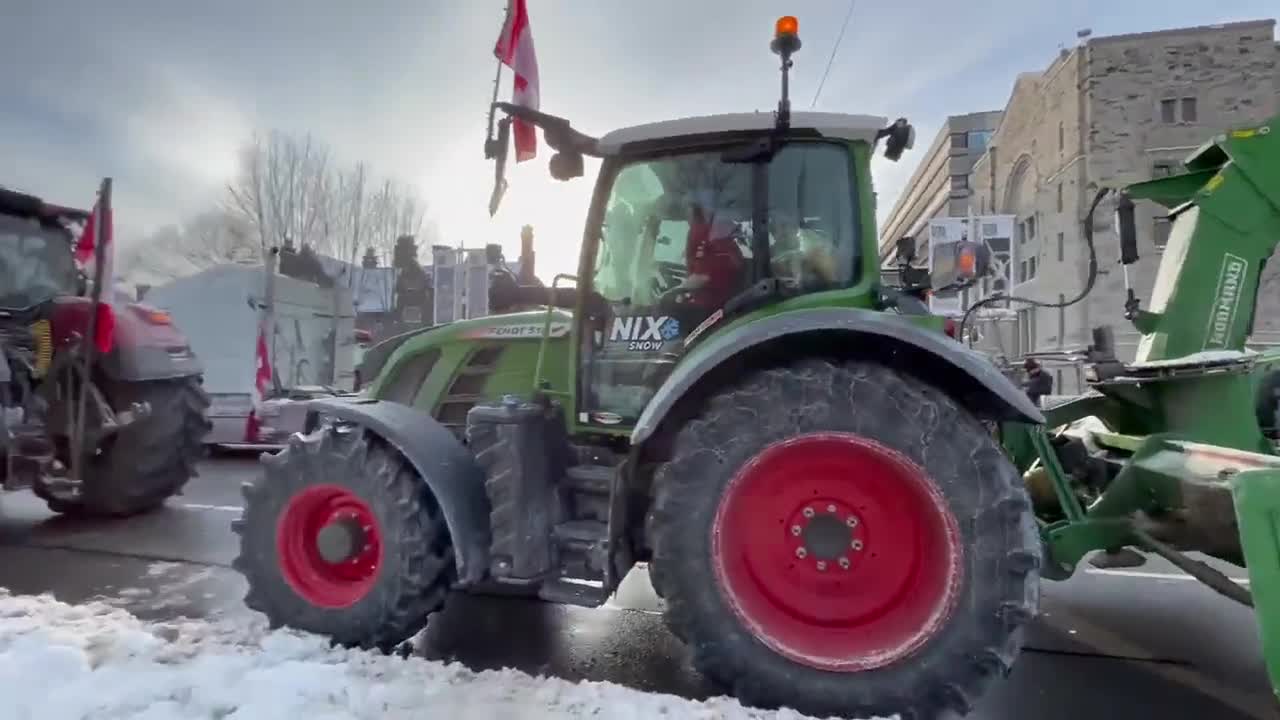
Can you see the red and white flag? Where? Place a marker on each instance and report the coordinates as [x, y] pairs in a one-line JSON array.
[[98, 229], [261, 382], [515, 50]]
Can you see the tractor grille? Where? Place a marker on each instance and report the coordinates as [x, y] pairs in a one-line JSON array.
[[32, 342], [42, 335], [467, 388]]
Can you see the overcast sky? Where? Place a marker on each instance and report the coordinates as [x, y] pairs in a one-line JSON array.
[[159, 93]]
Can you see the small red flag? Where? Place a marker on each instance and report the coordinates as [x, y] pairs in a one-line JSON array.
[[261, 382]]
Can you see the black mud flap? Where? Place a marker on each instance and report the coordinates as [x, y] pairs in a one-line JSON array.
[[450, 472]]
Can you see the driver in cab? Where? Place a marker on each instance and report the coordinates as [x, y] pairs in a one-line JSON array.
[[713, 260]]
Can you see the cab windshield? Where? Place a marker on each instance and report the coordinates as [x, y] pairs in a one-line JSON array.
[[678, 243], [683, 224], [36, 264]]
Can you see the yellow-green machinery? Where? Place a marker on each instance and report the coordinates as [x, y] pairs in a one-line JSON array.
[[1177, 451]]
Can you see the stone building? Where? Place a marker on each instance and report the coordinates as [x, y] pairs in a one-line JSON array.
[[1108, 112], [939, 187]]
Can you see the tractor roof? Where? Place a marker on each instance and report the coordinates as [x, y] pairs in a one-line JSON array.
[[838, 125]]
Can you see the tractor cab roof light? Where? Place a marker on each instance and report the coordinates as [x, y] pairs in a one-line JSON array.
[[786, 40]]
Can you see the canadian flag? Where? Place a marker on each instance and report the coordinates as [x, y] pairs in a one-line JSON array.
[[98, 229], [515, 50], [261, 381]]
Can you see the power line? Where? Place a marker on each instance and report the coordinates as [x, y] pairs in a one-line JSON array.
[[834, 48]]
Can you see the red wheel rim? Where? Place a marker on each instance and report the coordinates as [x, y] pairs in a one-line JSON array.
[[321, 582], [837, 552]]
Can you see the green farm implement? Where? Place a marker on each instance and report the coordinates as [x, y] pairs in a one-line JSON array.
[[1176, 451]]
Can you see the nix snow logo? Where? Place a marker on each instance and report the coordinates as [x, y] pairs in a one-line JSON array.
[[1225, 300], [644, 332]]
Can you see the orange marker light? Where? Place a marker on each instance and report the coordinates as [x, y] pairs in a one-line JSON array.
[[967, 261], [787, 25]]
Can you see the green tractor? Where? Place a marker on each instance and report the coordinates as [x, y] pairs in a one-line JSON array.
[[805, 459], [1176, 452]]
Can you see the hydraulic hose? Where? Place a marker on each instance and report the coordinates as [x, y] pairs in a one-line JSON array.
[[1084, 292]]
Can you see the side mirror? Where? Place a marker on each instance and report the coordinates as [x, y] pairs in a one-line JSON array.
[[1126, 230], [906, 250], [566, 165], [901, 135], [958, 265]]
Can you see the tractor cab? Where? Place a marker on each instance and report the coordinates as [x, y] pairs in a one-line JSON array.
[[36, 259], [686, 236]]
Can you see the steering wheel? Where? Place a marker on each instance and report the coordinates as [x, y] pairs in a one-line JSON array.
[[674, 297]]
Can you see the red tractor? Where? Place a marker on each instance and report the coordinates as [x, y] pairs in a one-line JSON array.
[[102, 410]]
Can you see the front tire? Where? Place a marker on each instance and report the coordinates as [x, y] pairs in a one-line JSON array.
[[389, 581], [844, 540], [147, 462]]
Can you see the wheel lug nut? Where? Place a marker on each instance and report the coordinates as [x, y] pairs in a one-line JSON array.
[[856, 544], [795, 530], [807, 512], [801, 553], [844, 563], [851, 521], [831, 508], [822, 565]]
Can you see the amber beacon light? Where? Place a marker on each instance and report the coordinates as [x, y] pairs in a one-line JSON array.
[[786, 35]]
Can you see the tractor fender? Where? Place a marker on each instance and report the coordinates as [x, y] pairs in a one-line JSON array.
[[144, 343], [448, 470], [932, 356]]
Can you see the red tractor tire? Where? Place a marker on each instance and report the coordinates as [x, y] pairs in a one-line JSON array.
[[842, 539], [396, 565], [146, 462]]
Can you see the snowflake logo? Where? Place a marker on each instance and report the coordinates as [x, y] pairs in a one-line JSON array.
[[670, 329]]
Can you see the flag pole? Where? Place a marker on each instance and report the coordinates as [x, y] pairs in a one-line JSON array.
[[102, 231], [497, 79]]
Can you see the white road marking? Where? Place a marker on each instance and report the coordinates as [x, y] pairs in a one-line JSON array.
[[219, 508], [1148, 575]]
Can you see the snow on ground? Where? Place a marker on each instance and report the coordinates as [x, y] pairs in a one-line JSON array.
[[95, 661]]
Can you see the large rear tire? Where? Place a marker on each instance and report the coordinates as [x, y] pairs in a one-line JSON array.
[[148, 461], [394, 564], [844, 540]]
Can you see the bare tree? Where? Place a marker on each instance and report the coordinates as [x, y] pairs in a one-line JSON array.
[[394, 210], [284, 190]]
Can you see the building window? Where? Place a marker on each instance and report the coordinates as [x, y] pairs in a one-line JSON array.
[[1031, 268], [959, 141], [1062, 137], [977, 140], [1026, 330], [1175, 110], [1059, 197], [959, 182], [1061, 252], [1162, 226], [1031, 228]]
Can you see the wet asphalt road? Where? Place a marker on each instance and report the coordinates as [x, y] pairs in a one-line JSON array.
[[1140, 643]]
